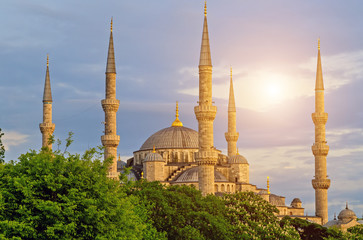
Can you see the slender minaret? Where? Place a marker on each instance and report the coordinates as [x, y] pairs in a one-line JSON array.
[[232, 134], [110, 106], [205, 112], [320, 149], [47, 127]]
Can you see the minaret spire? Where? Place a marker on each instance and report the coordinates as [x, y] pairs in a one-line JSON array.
[[47, 127], [205, 112], [232, 134], [110, 106], [205, 56], [320, 149]]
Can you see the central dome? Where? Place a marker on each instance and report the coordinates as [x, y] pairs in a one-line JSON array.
[[172, 137]]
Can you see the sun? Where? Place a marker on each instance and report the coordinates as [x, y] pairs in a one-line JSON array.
[[274, 91]]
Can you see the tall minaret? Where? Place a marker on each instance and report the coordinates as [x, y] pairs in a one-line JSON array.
[[47, 127], [205, 112], [110, 106], [320, 149], [232, 134]]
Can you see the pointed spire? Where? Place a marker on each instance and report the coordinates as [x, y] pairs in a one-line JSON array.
[[205, 56], [119, 157], [231, 103], [177, 122], [111, 66], [47, 95], [346, 205], [319, 85], [268, 185]]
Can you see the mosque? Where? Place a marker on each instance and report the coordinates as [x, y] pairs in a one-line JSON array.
[[178, 155]]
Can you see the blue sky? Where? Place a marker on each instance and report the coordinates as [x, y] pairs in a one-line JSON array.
[[271, 45]]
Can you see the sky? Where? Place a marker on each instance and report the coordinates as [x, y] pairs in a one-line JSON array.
[[271, 46]]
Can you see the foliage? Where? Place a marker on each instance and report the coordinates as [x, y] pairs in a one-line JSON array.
[[47, 195], [253, 218], [2, 148], [181, 211], [356, 232], [309, 230]]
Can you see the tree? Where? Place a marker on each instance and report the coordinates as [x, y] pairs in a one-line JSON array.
[[2, 148], [313, 231], [181, 211], [253, 218], [48, 195]]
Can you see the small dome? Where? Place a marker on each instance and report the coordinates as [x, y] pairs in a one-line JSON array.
[[276, 200], [154, 157], [239, 159], [346, 215], [191, 175], [332, 223], [172, 137], [263, 192], [296, 200]]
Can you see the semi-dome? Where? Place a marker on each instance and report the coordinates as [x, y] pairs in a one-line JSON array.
[[346, 215], [239, 159], [154, 157], [191, 175], [276, 200], [172, 137]]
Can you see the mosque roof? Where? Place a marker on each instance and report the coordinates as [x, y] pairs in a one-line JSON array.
[[237, 159], [276, 200], [191, 175], [172, 137], [346, 214], [154, 157]]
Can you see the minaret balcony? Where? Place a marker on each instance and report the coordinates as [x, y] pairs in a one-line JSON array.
[[231, 137], [205, 112], [320, 149], [110, 140], [206, 157], [47, 127], [320, 118], [321, 183], [110, 105]]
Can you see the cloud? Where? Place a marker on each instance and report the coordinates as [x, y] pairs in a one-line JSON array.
[[13, 138]]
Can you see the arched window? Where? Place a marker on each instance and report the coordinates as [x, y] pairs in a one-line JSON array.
[[222, 188], [216, 188], [228, 189]]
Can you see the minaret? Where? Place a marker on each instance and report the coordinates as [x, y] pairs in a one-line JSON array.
[[232, 134], [320, 149], [205, 112], [47, 127], [110, 106]]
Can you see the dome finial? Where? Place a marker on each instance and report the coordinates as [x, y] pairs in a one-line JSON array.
[[111, 23], [231, 71], [346, 205], [119, 157], [177, 122], [154, 149], [47, 60], [205, 8], [335, 216], [268, 184]]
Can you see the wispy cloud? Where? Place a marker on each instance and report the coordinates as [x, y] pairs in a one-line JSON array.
[[13, 138]]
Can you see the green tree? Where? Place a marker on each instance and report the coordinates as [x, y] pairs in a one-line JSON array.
[[2, 148], [356, 232], [48, 195], [181, 211], [312, 231], [253, 218]]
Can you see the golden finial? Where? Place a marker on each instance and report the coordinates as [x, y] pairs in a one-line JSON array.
[[177, 122], [205, 8], [318, 43], [142, 174], [231, 71], [111, 23], [119, 157], [154, 149], [268, 185], [47, 60]]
